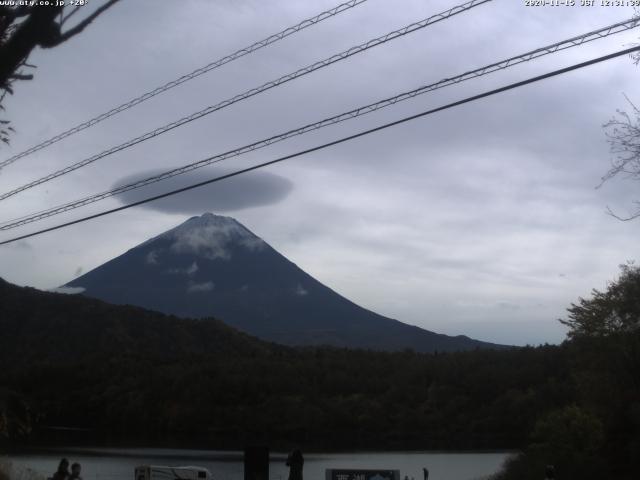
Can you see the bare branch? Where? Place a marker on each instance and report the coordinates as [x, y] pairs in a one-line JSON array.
[[636, 56], [623, 136], [41, 26], [21, 76], [71, 13], [63, 37], [623, 219], [635, 109]]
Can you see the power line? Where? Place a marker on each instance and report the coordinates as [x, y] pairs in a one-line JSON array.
[[335, 142], [189, 76], [501, 65], [254, 91]]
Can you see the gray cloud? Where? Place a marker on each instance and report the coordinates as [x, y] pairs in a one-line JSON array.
[[480, 205], [254, 189], [68, 290], [21, 245], [191, 270]]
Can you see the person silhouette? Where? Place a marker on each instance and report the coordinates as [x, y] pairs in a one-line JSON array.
[[425, 473], [549, 472], [75, 472], [295, 462], [63, 470]]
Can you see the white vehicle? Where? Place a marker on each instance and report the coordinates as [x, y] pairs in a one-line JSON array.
[[157, 472]]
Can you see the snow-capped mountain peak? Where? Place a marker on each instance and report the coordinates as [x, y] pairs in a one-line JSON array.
[[210, 236], [212, 266]]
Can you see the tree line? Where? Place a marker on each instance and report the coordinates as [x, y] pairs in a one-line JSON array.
[[123, 372]]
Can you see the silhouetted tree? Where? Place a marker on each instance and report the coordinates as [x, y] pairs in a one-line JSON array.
[[25, 27], [623, 135], [614, 311], [15, 416]]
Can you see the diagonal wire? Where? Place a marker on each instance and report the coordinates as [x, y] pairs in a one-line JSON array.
[[254, 91], [501, 65], [185, 78], [466, 100]]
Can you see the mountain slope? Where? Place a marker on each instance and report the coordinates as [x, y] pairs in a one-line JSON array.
[[213, 266], [57, 329], [121, 373]]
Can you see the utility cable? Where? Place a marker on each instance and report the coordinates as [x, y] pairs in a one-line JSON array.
[[252, 92], [334, 142], [185, 78], [509, 62]]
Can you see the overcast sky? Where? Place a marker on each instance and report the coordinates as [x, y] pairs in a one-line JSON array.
[[481, 220]]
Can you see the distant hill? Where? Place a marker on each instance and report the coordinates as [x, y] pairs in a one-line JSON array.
[[63, 328], [212, 266], [129, 374]]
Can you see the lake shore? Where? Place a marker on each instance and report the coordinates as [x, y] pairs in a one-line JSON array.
[[117, 463]]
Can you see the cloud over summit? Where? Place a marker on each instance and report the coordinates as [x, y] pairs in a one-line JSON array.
[[254, 189]]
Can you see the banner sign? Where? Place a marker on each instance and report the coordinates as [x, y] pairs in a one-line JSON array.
[[359, 474]]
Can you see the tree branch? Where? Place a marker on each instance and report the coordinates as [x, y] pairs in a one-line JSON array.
[[67, 17], [63, 37], [21, 76], [623, 219], [15, 49], [15, 12]]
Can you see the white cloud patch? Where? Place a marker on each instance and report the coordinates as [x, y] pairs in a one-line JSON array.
[[191, 270], [211, 236], [67, 290], [301, 291], [253, 243], [200, 287], [208, 242], [152, 258]]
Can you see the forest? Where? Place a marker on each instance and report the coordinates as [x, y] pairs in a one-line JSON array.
[[119, 372]]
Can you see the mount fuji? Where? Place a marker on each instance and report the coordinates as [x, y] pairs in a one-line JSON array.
[[212, 266]]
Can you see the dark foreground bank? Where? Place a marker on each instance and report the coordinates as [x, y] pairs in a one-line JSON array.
[[122, 372]]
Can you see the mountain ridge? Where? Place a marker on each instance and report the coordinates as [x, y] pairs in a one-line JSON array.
[[213, 266]]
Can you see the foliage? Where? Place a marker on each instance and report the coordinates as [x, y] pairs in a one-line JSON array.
[[615, 311], [571, 439], [25, 26], [125, 371], [598, 435], [132, 373], [15, 416], [568, 431]]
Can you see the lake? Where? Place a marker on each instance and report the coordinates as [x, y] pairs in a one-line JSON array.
[[118, 464]]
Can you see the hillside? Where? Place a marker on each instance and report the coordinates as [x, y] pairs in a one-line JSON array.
[[63, 328], [132, 373]]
